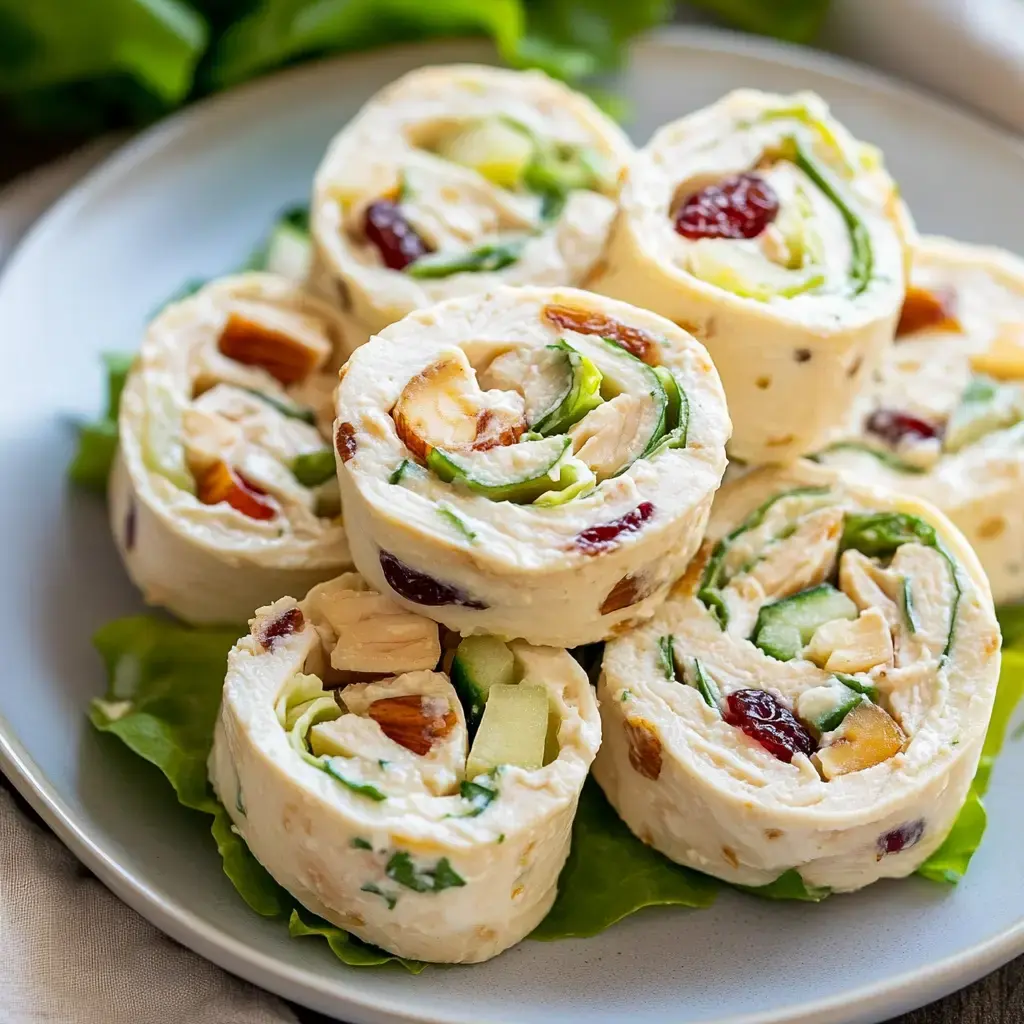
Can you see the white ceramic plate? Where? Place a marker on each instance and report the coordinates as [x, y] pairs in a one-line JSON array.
[[189, 198]]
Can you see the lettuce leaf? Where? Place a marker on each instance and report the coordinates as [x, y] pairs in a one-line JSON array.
[[610, 874], [347, 948], [163, 694], [797, 21], [97, 441], [85, 66], [788, 886], [950, 861], [156, 42]]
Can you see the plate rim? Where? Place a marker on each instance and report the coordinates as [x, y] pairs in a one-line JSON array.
[[305, 986]]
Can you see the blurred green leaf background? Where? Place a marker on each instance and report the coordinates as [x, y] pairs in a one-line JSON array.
[[80, 66]]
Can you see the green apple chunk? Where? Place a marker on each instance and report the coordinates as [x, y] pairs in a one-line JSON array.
[[493, 147], [512, 731], [480, 663]]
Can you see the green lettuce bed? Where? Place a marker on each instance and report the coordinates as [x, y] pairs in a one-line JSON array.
[[164, 689]]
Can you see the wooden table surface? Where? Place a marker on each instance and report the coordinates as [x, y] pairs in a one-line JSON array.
[[997, 999]]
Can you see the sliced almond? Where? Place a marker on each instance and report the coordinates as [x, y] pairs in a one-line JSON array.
[[644, 748], [288, 344], [634, 340], [413, 722], [219, 482], [439, 407], [857, 645], [628, 591], [497, 427], [1004, 358], [924, 309], [867, 736]]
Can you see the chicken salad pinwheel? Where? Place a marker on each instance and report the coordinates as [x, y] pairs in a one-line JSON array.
[[943, 418], [534, 463], [456, 179], [763, 227], [814, 695], [425, 812], [223, 493]]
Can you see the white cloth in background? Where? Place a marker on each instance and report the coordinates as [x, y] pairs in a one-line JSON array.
[[70, 951], [970, 51]]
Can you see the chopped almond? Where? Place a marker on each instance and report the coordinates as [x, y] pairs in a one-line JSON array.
[[628, 591], [288, 344], [584, 321], [931, 310], [644, 748], [439, 407], [219, 482], [412, 721], [868, 736]]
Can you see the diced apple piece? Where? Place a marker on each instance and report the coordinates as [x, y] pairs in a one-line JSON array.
[[439, 407], [332, 739], [492, 147], [219, 482], [1004, 358], [852, 646], [513, 729], [288, 344], [867, 736]]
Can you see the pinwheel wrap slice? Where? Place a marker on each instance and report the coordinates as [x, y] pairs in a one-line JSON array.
[[456, 179], [534, 463], [340, 753], [943, 419], [764, 228], [815, 694], [223, 492]]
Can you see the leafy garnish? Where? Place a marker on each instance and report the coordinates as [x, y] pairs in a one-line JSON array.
[[401, 869], [788, 886], [347, 948], [478, 796], [97, 441]]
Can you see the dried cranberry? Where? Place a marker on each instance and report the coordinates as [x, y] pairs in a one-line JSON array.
[[893, 427], [635, 341], [595, 539], [738, 207], [420, 588], [901, 838], [395, 238], [345, 441], [288, 622], [766, 719], [130, 526]]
